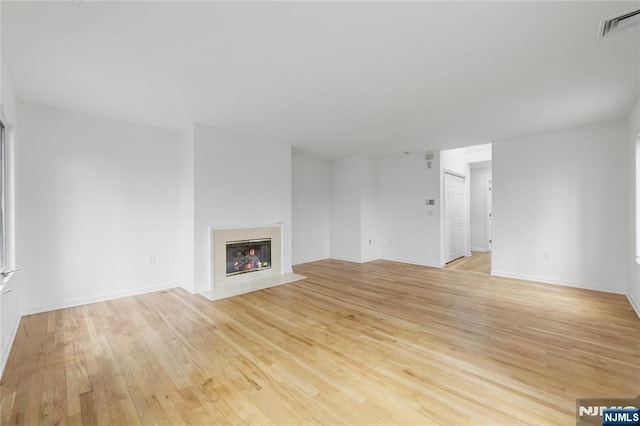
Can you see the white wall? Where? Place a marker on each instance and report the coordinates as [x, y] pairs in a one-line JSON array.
[[369, 220], [354, 200], [311, 208], [346, 231], [186, 160], [97, 208], [564, 193], [478, 219], [633, 291], [238, 183], [409, 229]]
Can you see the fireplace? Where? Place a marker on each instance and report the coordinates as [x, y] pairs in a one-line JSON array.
[[248, 256], [242, 255], [238, 251]]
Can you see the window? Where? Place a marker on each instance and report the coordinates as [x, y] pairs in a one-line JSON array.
[[3, 200], [638, 199]]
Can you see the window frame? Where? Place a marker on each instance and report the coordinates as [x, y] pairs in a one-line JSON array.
[[4, 266]]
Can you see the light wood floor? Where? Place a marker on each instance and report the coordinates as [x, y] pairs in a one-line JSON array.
[[477, 262], [379, 343]]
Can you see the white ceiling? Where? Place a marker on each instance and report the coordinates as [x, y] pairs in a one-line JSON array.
[[330, 78]]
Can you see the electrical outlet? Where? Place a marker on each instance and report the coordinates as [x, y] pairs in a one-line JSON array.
[[152, 260], [546, 255]]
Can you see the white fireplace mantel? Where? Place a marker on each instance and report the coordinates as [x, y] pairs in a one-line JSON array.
[[223, 286]]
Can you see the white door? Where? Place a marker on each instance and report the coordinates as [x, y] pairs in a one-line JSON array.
[[489, 212], [454, 216]]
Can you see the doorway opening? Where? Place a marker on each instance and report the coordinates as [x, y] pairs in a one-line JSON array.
[[467, 171]]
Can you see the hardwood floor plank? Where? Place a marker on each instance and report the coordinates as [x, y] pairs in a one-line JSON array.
[[377, 343], [88, 409]]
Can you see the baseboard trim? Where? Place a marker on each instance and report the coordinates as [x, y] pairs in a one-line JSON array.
[[6, 351], [346, 259], [311, 260], [414, 262], [96, 299], [546, 280], [481, 249], [187, 289], [634, 305]]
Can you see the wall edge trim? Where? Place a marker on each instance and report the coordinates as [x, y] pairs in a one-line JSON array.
[[635, 305], [547, 280], [96, 299], [6, 352]]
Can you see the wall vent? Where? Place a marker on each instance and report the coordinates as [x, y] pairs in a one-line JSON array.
[[618, 23]]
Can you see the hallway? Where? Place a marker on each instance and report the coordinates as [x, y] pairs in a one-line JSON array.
[[477, 262]]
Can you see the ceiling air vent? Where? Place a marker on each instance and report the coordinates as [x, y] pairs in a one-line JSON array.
[[618, 23]]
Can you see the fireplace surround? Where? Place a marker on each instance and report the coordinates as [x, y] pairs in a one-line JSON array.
[[246, 246]]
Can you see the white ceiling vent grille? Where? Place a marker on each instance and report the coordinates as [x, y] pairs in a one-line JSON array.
[[618, 23]]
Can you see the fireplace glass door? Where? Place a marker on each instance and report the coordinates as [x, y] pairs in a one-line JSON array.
[[248, 256]]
